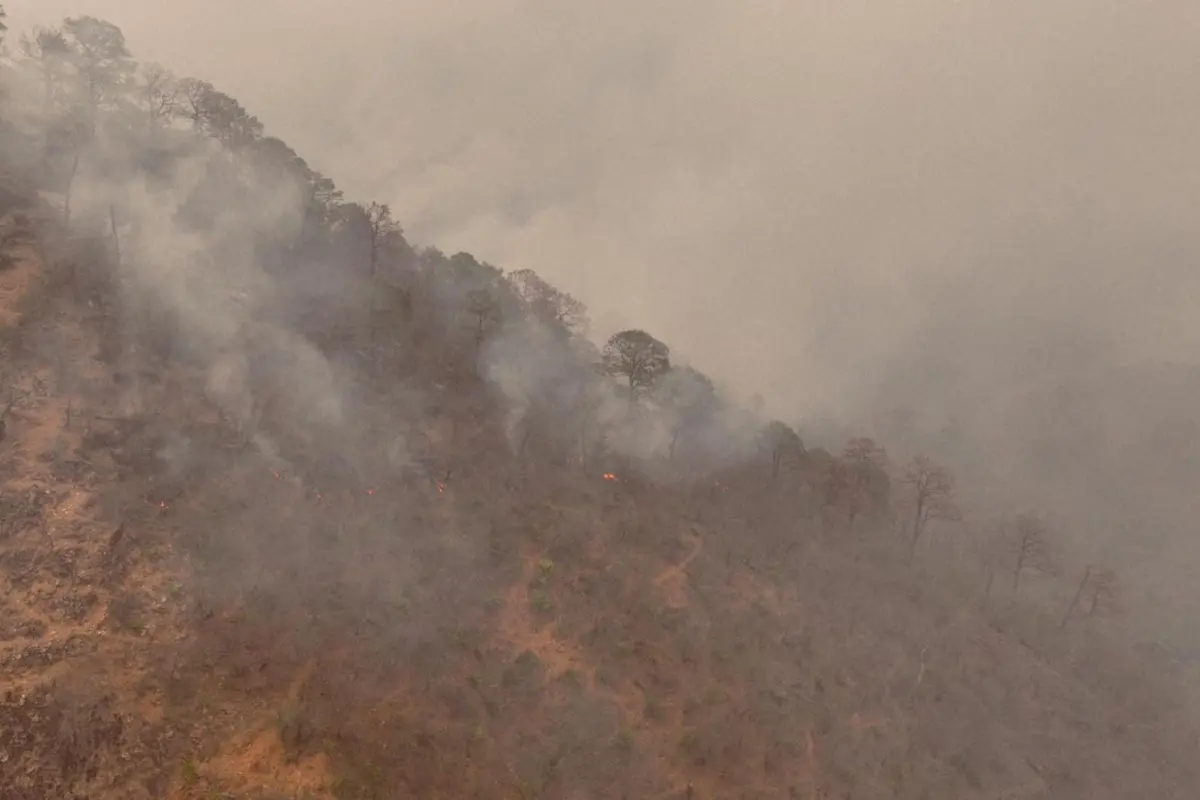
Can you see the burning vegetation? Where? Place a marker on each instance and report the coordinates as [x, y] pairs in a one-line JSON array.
[[235, 403]]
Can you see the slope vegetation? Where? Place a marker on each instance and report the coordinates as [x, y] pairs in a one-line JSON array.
[[290, 509]]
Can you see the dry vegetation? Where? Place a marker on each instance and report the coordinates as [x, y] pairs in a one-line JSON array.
[[479, 582]]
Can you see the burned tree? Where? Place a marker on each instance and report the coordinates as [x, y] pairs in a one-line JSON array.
[[483, 307], [860, 479], [932, 490], [1098, 593], [1030, 549]]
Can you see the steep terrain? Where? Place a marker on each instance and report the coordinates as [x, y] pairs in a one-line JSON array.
[[292, 509], [216, 626]]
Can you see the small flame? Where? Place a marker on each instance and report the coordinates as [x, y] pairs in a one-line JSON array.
[[275, 472], [608, 476], [441, 487], [370, 491]]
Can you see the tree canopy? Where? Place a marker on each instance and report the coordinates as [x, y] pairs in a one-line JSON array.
[[637, 357]]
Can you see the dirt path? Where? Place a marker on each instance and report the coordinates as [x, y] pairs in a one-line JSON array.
[[673, 579]]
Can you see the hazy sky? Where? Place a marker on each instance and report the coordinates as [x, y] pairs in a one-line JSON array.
[[819, 200]]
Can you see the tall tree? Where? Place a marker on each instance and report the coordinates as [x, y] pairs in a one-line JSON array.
[[218, 115], [863, 477], [105, 67], [1098, 594], [482, 305], [932, 489], [158, 94], [49, 55], [638, 357], [1030, 548], [382, 232]]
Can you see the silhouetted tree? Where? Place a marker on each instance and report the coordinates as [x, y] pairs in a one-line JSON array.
[[1098, 592], [1030, 548], [862, 479], [548, 303], [158, 93], [381, 231], [193, 102], [932, 496], [638, 357], [482, 305], [102, 60], [782, 443], [47, 53]]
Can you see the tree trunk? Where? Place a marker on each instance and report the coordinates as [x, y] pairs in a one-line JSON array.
[[1078, 594], [70, 185], [112, 222], [918, 523]]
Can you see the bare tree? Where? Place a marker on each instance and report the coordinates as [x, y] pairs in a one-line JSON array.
[[1030, 548], [193, 94], [381, 230], [933, 493], [160, 94], [482, 305], [862, 478], [638, 357], [1098, 593], [548, 303]]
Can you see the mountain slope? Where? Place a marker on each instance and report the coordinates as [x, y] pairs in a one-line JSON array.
[[294, 509]]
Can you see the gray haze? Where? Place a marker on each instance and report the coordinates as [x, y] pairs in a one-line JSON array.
[[950, 205]]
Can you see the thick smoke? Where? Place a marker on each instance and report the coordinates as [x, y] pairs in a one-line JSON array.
[[959, 225]]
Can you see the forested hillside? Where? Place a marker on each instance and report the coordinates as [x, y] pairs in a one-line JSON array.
[[291, 507]]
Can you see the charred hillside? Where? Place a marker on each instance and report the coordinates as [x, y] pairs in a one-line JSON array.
[[290, 507]]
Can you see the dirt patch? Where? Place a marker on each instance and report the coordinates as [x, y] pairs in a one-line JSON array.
[[673, 581], [15, 282], [258, 763]]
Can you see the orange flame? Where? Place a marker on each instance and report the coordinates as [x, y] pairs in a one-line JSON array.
[[608, 476], [441, 487]]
